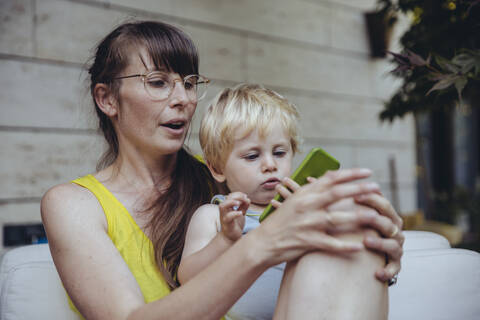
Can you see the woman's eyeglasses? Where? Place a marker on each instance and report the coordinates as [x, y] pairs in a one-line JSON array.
[[159, 85]]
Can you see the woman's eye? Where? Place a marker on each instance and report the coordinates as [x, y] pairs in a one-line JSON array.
[[190, 85], [157, 83]]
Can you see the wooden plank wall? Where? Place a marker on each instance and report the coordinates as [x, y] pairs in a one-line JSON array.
[[313, 51]]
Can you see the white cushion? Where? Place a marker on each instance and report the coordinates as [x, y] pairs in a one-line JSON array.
[[421, 240], [31, 287], [437, 284]]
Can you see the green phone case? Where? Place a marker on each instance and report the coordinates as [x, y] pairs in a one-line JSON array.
[[315, 164]]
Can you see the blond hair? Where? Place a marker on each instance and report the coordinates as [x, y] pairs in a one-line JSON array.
[[246, 107]]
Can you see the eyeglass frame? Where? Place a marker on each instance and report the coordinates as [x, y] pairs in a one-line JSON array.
[[143, 77]]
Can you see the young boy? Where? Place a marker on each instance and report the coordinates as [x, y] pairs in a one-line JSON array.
[[249, 137]]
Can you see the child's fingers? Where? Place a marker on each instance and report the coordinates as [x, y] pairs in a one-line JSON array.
[[242, 202], [290, 184], [230, 216], [283, 191], [228, 205], [276, 204]]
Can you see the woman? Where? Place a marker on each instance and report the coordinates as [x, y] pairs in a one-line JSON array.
[[116, 237]]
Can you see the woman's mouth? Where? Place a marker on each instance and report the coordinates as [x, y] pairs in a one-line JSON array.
[[175, 126]]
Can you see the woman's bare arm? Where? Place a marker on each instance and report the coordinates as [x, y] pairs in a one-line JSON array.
[[100, 284]]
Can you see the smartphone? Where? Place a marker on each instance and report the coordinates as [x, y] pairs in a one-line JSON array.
[[315, 164]]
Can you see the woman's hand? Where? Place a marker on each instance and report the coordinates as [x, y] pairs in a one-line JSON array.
[[374, 210], [232, 215], [390, 225], [302, 223]]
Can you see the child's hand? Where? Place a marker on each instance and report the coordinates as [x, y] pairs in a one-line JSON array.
[[285, 189], [232, 215]]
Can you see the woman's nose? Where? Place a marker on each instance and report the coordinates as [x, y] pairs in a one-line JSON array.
[[179, 96]]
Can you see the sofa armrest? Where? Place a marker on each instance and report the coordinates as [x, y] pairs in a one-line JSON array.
[[437, 284], [422, 240], [31, 287]]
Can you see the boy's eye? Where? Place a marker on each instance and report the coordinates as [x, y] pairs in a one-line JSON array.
[[279, 153], [251, 156]]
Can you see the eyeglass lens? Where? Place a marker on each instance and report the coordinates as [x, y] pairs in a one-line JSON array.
[[159, 86]]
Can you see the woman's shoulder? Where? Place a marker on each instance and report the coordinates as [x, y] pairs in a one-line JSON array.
[[69, 200], [66, 194]]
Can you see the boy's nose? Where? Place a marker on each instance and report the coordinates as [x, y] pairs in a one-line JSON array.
[[269, 164]]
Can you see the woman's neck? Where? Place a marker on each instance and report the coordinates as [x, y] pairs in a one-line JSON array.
[[136, 173]]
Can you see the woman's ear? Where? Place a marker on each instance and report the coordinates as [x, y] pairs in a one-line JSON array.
[[216, 173], [105, 99]]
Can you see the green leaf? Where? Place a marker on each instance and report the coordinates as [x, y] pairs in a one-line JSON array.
[[465, 61], [446, 64], [416, 59], [444, 83]]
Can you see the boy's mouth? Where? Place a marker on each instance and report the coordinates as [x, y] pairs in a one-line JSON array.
[[270, 183]]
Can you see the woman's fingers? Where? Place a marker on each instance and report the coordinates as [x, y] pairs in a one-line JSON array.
[[331, 178], [329, 243], [382, 205], [340, 221], [382, 224], [393, 251], [332, 244], [341, 191]]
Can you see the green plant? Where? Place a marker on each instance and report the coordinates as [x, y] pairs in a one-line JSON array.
[[441, 56]]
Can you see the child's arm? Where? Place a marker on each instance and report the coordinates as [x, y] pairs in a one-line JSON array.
[[212, 230]]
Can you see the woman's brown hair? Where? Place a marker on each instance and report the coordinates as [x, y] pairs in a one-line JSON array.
[[191, 182]]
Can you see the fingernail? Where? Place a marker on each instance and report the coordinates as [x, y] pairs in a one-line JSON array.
[[372, 186], [365, 171]]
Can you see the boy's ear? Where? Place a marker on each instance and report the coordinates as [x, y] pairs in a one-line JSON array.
[[105, 99], [216, 173]]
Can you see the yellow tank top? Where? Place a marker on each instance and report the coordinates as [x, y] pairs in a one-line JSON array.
[[132, 243]]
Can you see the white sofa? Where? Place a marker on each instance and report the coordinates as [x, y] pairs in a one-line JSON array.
[[436, 282]]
